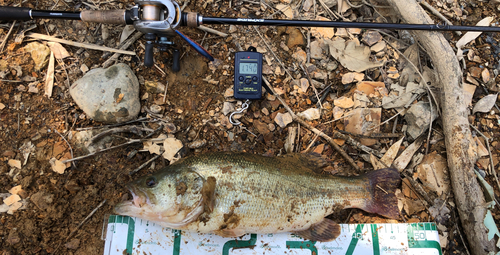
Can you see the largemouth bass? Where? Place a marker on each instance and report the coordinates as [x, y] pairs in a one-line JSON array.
[[231, 194]]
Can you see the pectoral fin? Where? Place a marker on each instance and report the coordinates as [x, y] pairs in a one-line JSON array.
[[208, 193], [323, 231]]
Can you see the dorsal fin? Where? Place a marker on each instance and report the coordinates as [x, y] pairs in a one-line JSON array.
[[323, 231], [312, 160]]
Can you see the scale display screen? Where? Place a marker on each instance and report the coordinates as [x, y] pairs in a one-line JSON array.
[[248, 68]]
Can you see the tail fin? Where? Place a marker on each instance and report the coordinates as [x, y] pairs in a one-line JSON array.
[[383, 184]]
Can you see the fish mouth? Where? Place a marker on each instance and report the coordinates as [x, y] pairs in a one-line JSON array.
[[138, 202]]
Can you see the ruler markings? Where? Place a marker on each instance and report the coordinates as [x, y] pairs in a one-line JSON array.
[[136, 236]]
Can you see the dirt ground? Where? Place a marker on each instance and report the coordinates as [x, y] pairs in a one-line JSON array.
[[58, 203]]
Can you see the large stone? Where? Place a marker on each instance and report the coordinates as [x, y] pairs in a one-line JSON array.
[[108, 95]]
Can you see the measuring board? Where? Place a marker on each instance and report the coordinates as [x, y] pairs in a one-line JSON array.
[[130, 235]]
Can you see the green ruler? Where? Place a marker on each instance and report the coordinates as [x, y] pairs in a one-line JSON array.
[[129, 235]]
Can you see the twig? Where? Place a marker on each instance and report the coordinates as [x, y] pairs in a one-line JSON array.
[[126, 129], [314, 88], [418, 188], [374, 135], [144, 165], [165, 94], [107, 149], [430, 127], [378, 186], [113, 125], [186, 2], [276, 57], [125, 45], [77, 44], [70, 149], [312, 142], [314, 130], [491, 157], [308, 47], [438, 14], [333, 15], [86, 218], [213, 31], [353, 6], [7, 36], [402, 111], [349, 140]]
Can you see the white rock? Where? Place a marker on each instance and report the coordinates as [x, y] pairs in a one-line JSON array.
[[310, 114], [283, 119], [228, 108]]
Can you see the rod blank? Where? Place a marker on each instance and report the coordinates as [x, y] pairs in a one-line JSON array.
[[315, 23]]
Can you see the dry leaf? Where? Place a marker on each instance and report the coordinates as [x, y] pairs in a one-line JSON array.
[[351, 77], [12, 199], [481, 149], [469, 90], [376, 163], [2, 106], [154, 149], [344, 102], [391, 154], [433, 172], [57, 165], [353, 57], [485, 74], [14, 163], [470, 36], [485, 104], [127, 31], [322, 32], [286, 9], [402, 161], [15, 190], [49, 79], [59, 51], [171, 146], [342, 6], [14, 207]]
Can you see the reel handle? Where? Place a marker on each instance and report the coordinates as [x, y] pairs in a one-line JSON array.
[[148, 53]]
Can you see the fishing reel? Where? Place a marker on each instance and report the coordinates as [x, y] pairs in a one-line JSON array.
[[157, 19]]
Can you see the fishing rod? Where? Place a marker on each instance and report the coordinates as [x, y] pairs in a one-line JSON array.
[[158, 19]]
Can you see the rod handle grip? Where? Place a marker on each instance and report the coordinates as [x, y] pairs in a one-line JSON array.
[[106, 17], [14, 13]]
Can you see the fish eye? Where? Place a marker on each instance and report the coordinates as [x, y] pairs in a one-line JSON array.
[[151, 182]]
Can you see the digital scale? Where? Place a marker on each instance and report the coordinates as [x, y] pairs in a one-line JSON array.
[[248, 74], [130, 235]]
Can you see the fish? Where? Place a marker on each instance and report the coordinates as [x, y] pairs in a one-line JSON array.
[[231, 194]]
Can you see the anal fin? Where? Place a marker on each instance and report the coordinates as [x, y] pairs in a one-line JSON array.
[[230, 232], [324, 231]]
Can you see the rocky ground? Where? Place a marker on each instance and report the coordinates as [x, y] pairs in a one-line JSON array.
[[366, 86]]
